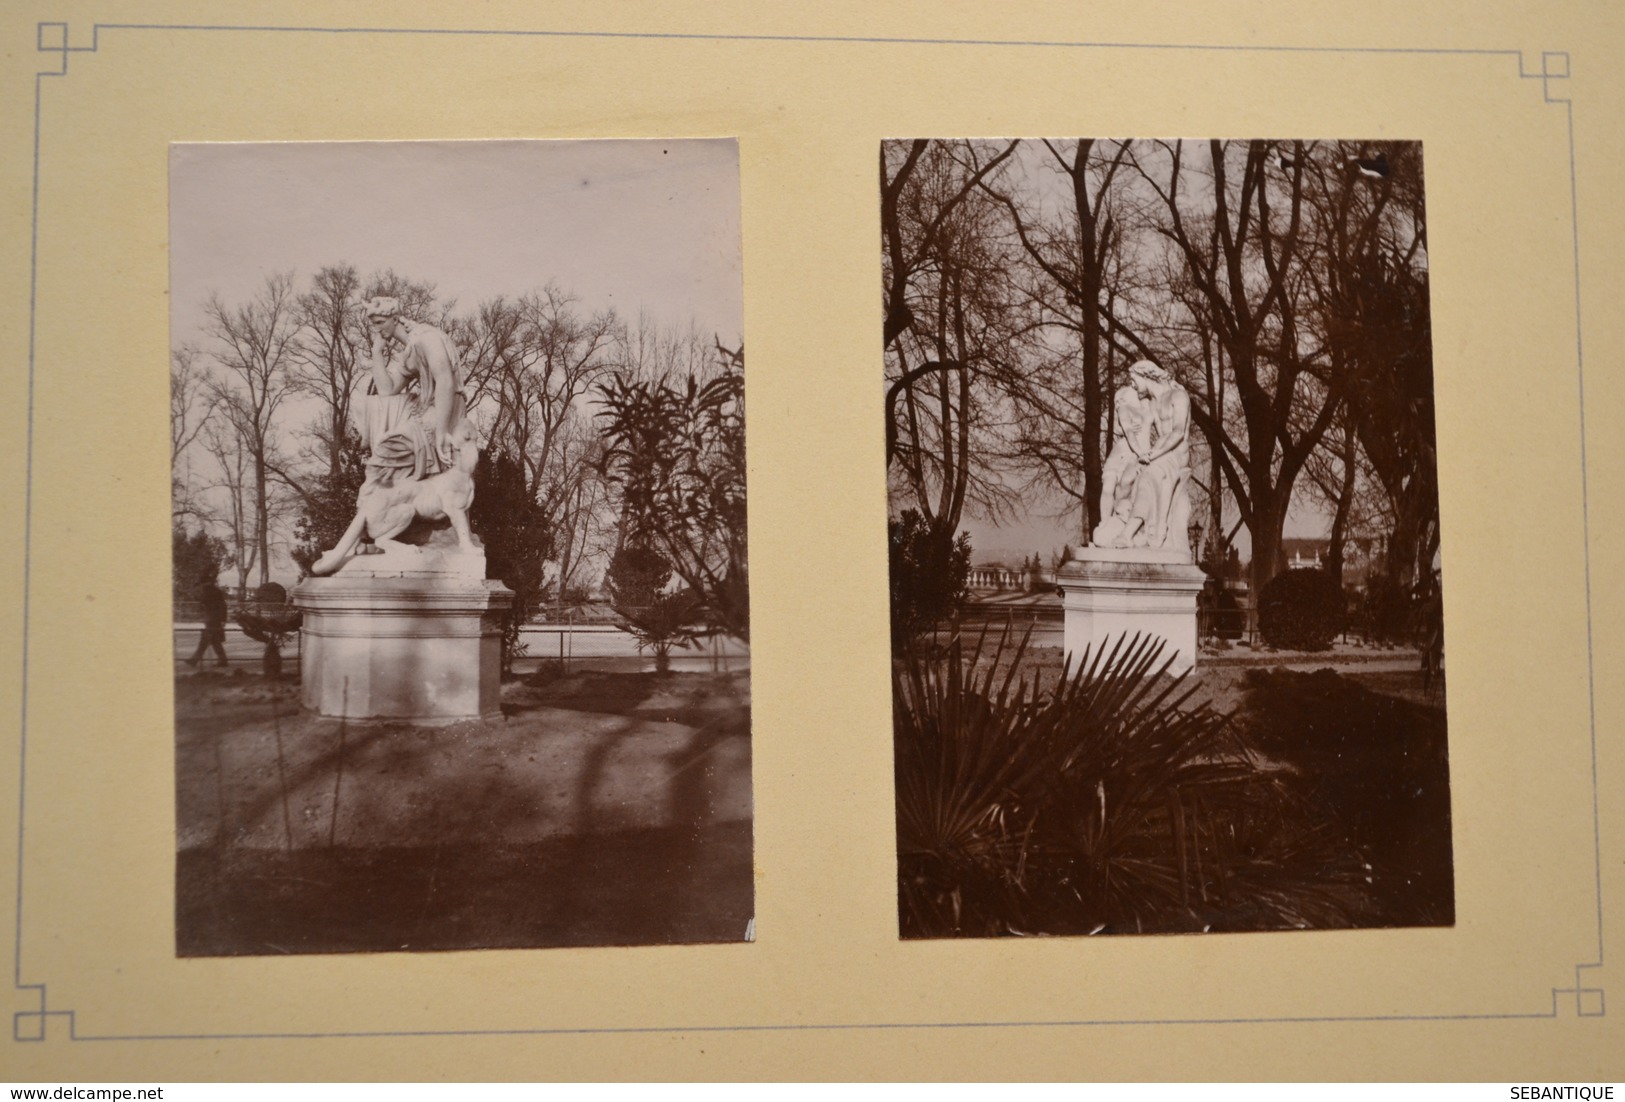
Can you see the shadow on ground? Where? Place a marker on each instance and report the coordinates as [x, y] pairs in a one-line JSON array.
[[605, 809], [1377, 766], [633, 888]]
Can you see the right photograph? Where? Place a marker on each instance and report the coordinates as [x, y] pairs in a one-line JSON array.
[[1167, 621]]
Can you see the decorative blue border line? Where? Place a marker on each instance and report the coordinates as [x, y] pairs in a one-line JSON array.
[[1555, 65], [53, 37], [816, 1027]]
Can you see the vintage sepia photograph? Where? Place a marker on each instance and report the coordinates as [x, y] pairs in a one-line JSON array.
[[1164, 536], [461, 591]]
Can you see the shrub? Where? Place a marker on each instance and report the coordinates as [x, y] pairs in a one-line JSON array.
[[1386, 612], [665, 622], [1226, 618], [518, 539], [1301, 610], [1106, 804], [635, 575], [930, 572], [636, 580], [676, 454], [271, 593], [274, 627], [197, 559], [1380, 766]]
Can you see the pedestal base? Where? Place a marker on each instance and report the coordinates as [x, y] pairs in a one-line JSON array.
[[420, 647], [1108, 593]]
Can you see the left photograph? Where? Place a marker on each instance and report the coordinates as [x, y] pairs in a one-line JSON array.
[[461, 624]]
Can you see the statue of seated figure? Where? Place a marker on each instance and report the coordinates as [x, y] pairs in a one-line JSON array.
[[1145, 497], [421, 446]]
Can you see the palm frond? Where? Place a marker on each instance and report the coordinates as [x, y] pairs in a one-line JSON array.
[[1109, 801]]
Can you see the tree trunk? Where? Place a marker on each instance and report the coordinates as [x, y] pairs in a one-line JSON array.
[[1269, 518], [335, 446], [1403, 544], [1345, 498], [1213, 554], [262, 514], [1091, 415], [1090, 270]]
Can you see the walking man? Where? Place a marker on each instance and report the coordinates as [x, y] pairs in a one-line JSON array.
[[214, 626]]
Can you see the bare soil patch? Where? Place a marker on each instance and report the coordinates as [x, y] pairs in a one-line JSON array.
[[604, 809]]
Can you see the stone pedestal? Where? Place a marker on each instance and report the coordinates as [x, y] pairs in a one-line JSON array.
[[1111, 592], [409, 635]]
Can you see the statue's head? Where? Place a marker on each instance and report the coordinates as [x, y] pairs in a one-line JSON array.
[[1148, 376], [383, 314]]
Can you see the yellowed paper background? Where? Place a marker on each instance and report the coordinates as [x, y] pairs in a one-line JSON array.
[[1519, 111]]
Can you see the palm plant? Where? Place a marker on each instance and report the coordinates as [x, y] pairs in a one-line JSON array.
[[965, 776], [1107, 803]]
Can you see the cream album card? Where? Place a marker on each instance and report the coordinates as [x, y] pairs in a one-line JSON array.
[[712, 542]]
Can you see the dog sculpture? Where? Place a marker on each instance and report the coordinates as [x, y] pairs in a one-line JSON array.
[[385, 511]]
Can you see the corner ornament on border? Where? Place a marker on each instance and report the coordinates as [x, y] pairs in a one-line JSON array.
[[31, 1025], [53, 38], [1588, 1001], [1554, 66]]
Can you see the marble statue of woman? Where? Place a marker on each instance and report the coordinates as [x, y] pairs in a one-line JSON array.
[[1162, 499], [1131, 440], [422, 448], [419, 401]]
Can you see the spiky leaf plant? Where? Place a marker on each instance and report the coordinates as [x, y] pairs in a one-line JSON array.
[[1108, 803]]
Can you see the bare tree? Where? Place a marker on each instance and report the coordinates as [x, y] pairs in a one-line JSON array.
[[582, 508], [323, 357], [648, 348], [192, 402], [234, 507], [1338, 480], [1374, 299], [909, 248], [954, 330], [1074, 257], [531, 365], [253, 346], [1245, 267], [545, 359]]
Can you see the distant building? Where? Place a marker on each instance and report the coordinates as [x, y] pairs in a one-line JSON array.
[[1361, 555], [1302, 554]]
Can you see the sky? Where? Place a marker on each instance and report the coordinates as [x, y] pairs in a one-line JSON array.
[[638, 225]]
